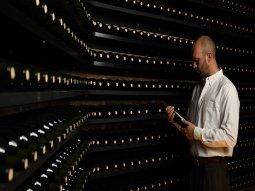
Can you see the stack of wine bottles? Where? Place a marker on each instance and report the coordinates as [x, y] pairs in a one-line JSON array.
[[73, 147], [84, 85]]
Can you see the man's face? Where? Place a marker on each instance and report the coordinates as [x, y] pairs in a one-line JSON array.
[[199, 61]]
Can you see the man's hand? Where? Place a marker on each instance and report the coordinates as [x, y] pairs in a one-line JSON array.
[[170, 113], [189, 130]]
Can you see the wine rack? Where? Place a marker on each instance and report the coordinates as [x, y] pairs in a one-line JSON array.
[[84, 85]]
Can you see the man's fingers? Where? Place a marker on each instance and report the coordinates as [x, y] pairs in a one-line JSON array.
[[170, 113], [171, 117], [169, 108]]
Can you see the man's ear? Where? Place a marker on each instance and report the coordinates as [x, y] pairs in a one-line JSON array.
[[208, 57]]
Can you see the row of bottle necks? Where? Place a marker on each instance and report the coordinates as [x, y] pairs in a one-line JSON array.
[[19, 77]]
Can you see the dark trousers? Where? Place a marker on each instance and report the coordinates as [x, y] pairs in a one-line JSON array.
[[208, 174]]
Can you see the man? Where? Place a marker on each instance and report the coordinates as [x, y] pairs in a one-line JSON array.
[[214, 120]]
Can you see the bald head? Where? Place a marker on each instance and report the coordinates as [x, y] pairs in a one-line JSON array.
[[207, 45], [204, 56]]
